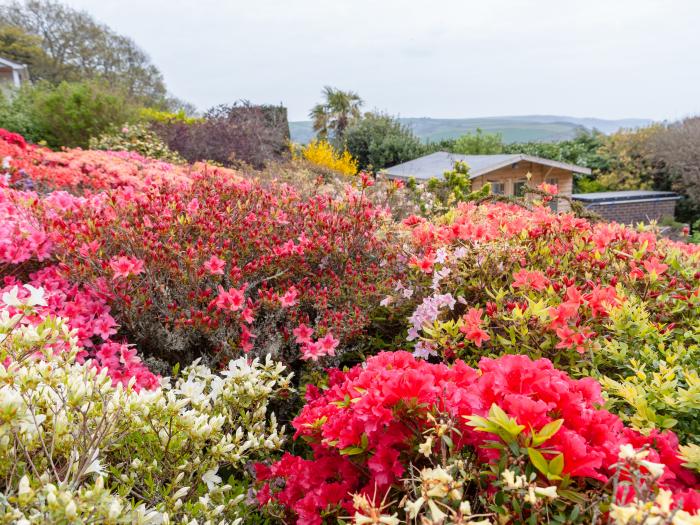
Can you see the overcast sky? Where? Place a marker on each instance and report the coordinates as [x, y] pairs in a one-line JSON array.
[[460, 58]]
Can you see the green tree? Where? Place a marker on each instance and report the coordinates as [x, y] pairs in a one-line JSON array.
[[21, 47], [478, 143], [335, 114], [675, 160], [76, 47], [378, 141]]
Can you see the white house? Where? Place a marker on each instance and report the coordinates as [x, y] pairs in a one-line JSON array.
[[13, 74]]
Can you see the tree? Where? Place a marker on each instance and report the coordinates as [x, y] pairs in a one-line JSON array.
[[76, 47], [333, 116], [675, 150], [378, 141], [479, 143], [21, 47], [629, 159]]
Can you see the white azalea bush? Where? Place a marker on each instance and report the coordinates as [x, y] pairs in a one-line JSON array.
[[76, 448]]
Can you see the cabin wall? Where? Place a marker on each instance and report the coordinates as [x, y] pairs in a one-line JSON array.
[[511, 175]]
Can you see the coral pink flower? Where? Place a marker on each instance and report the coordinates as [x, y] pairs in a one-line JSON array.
[[530, 279], [232, 299], [472, 327], [289, 298], [125, 266], [655, 267], [303, 333], [215, 266]]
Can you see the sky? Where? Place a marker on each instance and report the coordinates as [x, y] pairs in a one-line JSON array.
[[411, 58]]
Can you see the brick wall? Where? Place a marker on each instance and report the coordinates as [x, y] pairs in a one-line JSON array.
[[634, 212]]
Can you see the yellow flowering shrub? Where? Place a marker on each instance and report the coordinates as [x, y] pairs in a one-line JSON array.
[[322, 154]]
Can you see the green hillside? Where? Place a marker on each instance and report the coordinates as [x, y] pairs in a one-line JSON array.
[[543, 128]]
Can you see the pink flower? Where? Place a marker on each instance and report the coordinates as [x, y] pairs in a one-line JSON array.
[[655, 267], [215, 266], [472, 327], [328, 344], [232, 299], [104, 327], [303, 333], [530, 279], [289, 298], [125, 266], [552, 189]]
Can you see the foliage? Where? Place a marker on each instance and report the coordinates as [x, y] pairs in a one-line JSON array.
[[76, 448], [658, 384], [77, 48], [478, 143], [396, 415], [138, 138], [67, 114], [321, 154], [231, 135], [335, 114], [19, 46], [155, 115], [175, 264], [675, 152], [630, 159], [378, 141]]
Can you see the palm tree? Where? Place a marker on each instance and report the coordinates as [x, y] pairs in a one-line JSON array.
[[333, 115]]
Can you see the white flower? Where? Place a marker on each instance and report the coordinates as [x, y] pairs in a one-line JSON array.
[[655, 469], [10, 298], [426, 448], [211, 479], [548, 492], [36, 296]]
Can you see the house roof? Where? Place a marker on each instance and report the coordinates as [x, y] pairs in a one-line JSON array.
[[606, 197], [13, 65], [435, 164]]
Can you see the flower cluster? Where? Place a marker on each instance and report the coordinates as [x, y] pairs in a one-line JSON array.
[[76, 446], [367, 430]]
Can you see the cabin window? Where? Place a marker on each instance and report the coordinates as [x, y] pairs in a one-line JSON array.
[[498, 187], [519, 188]]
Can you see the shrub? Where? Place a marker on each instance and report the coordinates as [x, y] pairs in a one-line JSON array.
[[198, 262], [67, 114], [230, 135], [398, 418], [138, 138], [75, 447], [501, 278], [322, 155]]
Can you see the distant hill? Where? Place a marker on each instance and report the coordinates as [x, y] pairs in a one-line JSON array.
[[542, 128]]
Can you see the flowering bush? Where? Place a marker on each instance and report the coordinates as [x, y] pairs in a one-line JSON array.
[[379, 423], [136, 137], [202, 262], [75, 447], [500, 278], [320, 153]]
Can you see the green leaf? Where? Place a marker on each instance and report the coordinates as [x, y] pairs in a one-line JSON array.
[[351, 451], [556, 465], [538, 460], [546, 432]]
